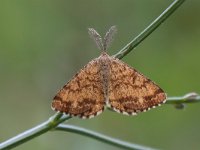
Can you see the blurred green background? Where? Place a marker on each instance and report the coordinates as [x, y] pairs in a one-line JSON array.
[[43, 43]]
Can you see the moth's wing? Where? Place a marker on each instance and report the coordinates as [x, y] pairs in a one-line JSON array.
[[131, 92], [83, 95]]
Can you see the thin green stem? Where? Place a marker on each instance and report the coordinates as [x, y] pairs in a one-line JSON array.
[[187, 98], [34, 132], [146, 32], [101, 137]]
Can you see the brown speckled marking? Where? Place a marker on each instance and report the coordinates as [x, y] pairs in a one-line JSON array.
[[130, 91], [83, 95]]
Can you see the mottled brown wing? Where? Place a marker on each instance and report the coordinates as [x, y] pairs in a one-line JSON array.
[[131, 92], [83, 95]]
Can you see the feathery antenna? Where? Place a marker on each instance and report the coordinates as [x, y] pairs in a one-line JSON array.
[[108, 38], [96, 37]]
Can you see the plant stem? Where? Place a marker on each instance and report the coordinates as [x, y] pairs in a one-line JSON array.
[[34, 132], [187, 98], [146, 32], [101, 137]]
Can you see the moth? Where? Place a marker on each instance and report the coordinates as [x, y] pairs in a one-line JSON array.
[[107, 82]]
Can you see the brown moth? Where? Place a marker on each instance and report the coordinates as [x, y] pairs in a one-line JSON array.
[[107, 81]]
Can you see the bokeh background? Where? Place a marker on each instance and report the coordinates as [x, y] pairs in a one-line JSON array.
[[43, 43]]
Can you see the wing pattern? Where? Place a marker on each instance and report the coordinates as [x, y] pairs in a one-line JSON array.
[[83, 95], [131, 92]]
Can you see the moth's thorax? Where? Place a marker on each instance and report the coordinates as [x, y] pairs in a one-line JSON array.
[[104, 61]]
